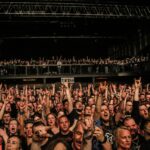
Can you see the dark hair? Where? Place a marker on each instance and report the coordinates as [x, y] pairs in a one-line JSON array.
[[13, 119], [128, 118], [146, 123], [52, 115], [64, 101], [38, 123], [28, 121], [54, 143]]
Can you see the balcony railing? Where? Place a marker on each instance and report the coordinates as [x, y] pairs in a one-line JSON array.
[[72, 69]]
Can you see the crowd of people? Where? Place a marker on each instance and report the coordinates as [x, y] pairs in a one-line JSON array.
[[73, 65], [73, 60], [75, 116]]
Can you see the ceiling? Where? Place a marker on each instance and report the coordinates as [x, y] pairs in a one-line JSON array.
[[48, 27]]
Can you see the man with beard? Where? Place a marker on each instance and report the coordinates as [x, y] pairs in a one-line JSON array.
[[130, 123], [76, 113]]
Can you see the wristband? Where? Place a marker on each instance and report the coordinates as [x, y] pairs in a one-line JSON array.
[[104, 141]]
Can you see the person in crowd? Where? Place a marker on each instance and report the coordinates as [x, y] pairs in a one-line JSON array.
[[136, 135], [64, 127], [58, 145], [145, 144], [52, 123], [13, 143], [41, 138], [28, 134], [83, 115], [123, 139], [59, 66]]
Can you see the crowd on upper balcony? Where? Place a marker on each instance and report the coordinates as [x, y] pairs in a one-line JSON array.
[[73, 65], [75, 60]]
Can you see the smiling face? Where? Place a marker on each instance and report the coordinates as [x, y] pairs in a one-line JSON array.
[[78, 137]]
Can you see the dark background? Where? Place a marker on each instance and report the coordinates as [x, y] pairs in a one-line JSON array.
[[32, 36]]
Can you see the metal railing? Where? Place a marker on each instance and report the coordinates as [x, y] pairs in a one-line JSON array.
[[72, 69]]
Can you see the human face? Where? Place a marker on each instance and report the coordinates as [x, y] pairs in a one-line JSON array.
[[38, 132], [6, 118], [51, 120], [13, 125], [147, 128], [91, 101], [148, 97], [13, 144], [78, 137], [111, 108], [79, 105], [142, 97], [124, 139], [105, 115], [64, 124], [129, 107], [8, 107], [22, 105], [66, 105], [59, 107], [88, 110], [131, 124], [39, 108], [28, 130], [143, 111]]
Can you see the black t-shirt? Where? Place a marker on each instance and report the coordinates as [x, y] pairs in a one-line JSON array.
[[24, 144], [145, 144], [44, 147], [68, 138], [73, 116], [14, 111]]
